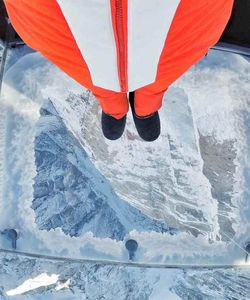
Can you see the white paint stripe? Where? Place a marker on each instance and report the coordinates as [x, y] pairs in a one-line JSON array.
[[91, 24], [148, 24]]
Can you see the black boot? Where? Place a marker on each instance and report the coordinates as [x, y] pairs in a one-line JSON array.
[[148, 127], [112, 128]]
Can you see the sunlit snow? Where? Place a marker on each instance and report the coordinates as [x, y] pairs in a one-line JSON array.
[[34, 283]]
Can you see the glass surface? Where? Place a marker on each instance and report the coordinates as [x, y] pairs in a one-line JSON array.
[[69, 192], [41, 279]]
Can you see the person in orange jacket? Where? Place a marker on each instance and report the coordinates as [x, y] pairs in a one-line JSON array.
[[118, 48]]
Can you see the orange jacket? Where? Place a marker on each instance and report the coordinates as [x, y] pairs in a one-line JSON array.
[[121, 45]]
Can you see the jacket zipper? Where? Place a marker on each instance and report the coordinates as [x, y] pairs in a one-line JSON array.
[[121, 44]]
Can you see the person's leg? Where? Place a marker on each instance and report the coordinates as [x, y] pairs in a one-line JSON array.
[[112, 103], [148, 100], [145, 103], [114, 112]]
